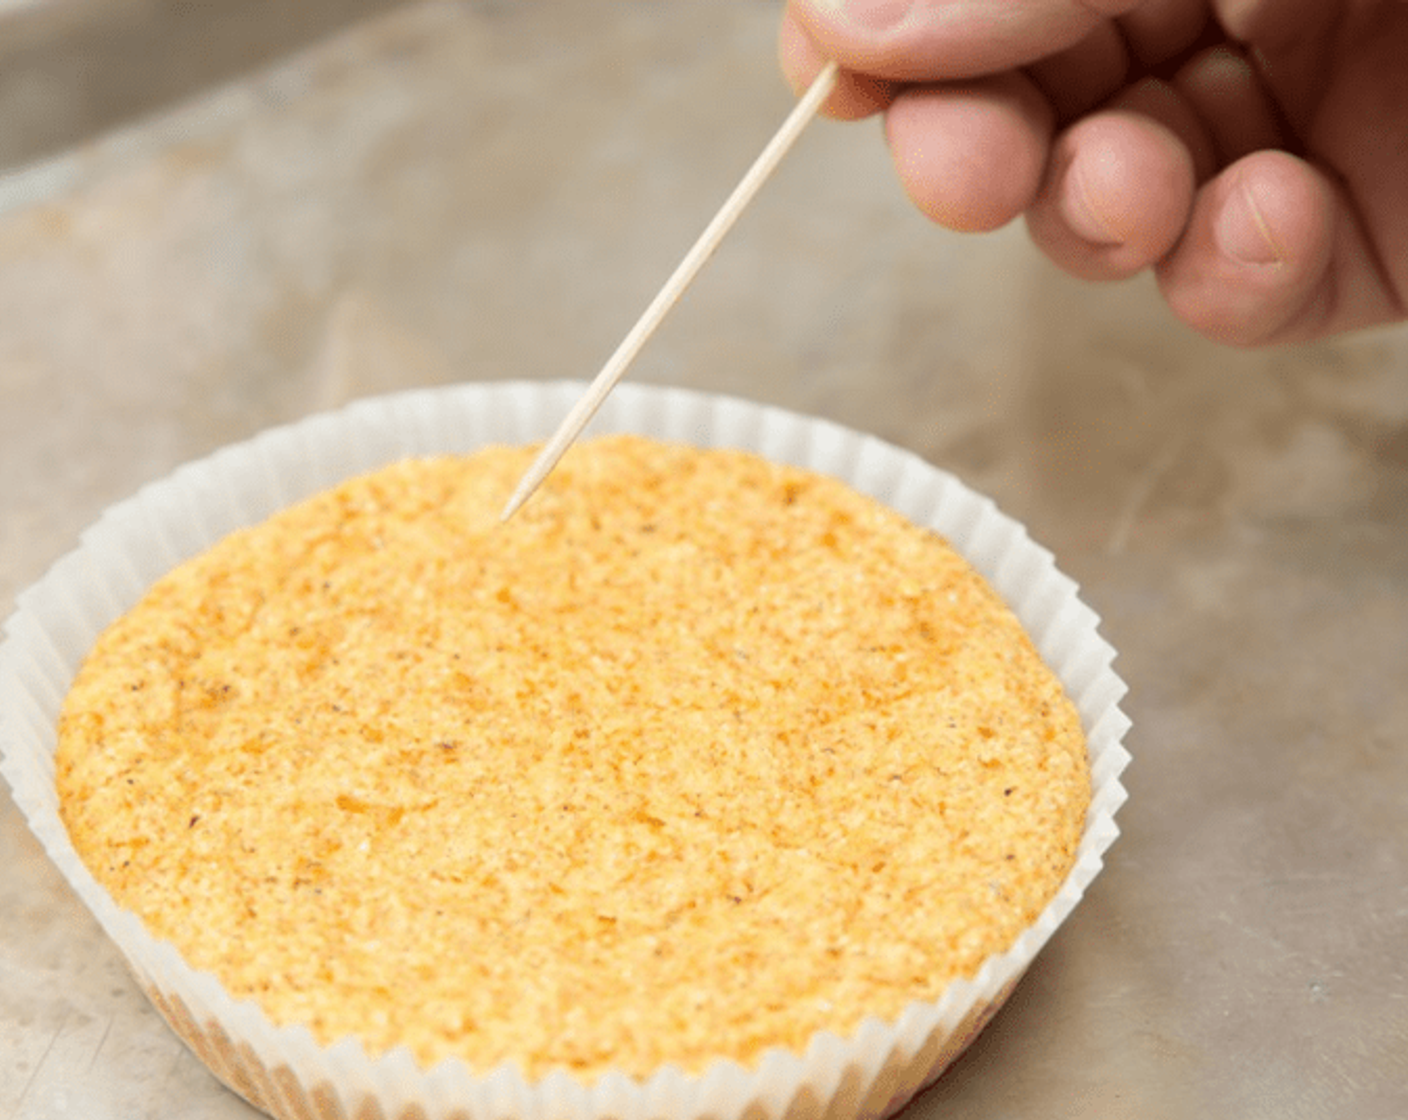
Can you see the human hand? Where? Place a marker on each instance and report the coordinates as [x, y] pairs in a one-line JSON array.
[[1254, 153]]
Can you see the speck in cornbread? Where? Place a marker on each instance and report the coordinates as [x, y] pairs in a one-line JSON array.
[[697, 755]]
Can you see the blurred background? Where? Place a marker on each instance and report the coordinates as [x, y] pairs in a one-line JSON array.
[[70, 69], [220, 216]]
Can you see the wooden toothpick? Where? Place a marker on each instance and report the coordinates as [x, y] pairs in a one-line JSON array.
[[572, 425]]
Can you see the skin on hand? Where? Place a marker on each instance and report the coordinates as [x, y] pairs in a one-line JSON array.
[[1253, 153]]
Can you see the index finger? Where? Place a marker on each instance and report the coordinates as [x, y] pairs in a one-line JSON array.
[[855, 96], [945, 40]]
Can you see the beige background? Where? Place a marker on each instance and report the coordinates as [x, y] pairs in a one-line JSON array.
[[215, 220]]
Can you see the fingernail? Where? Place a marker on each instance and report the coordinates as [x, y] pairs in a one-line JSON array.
[[1084, 218], [877, 15], [1242, 233]]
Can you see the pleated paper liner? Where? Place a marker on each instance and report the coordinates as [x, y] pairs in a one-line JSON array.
[[283, 1070]]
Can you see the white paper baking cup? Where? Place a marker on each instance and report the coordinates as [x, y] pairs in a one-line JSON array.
[[282, 1070]]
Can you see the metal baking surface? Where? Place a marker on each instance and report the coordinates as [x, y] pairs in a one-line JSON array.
[[491, 190]]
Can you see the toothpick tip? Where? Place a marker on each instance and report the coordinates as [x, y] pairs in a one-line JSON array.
[[517, 498]]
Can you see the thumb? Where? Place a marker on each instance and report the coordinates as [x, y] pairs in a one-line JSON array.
[[939, 40]]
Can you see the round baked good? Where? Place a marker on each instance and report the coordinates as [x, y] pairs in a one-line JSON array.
[[696, 756]]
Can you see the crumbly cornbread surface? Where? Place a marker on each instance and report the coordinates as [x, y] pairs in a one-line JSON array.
[[695, 756]]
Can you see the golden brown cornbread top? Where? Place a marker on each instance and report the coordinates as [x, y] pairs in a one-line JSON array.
[[696, 756]]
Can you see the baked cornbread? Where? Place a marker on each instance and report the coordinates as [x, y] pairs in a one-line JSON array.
[[696, 756]]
